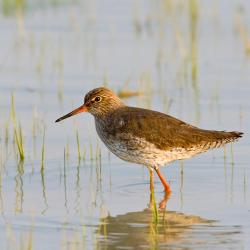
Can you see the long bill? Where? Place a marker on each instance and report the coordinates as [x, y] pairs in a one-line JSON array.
[[74, 112]]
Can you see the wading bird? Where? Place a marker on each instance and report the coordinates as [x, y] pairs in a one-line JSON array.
[[147, 137]]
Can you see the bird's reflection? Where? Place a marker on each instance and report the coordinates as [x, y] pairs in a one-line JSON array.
[[139, 230]]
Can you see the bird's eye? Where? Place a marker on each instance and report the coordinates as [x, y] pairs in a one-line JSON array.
[[98, 99]]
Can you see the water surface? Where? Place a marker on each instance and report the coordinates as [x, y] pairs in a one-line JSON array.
[[189, 61]]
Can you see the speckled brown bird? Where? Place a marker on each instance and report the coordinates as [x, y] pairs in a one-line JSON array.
[[145, 136]]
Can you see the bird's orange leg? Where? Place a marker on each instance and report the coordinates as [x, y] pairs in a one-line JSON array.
[[163, 181]]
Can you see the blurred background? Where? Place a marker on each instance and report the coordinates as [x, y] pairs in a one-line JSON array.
[[60, 188]]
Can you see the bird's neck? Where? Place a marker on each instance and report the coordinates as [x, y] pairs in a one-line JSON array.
[[107, 108], [107, 112]]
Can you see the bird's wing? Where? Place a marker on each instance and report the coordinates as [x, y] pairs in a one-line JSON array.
[[165, 131]]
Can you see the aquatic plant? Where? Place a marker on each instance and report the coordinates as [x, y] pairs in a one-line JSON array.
[[11, 6], [18, 135], [19, 142], [43, 150], [78, 146]]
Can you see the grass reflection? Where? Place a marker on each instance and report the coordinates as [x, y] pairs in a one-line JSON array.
[[19, 187]]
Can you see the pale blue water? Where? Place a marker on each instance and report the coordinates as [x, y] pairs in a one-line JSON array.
[[53, 56]]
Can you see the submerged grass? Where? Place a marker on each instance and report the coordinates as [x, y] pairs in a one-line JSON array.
[[193, 16], [65, 180], [155, 209], [19, 142], [18, 135], [245, 185], [91, 155], [43, 151], [243, 31], [153, 225], [19, 188], [78, 146], [11, 6]]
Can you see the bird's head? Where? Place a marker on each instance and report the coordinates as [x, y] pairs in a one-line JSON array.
[[98, 102]]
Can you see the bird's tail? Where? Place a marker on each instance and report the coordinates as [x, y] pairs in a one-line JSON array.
[[230, 136], [220, 138]]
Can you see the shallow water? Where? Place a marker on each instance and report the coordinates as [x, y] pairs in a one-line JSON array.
[[51, 55]]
